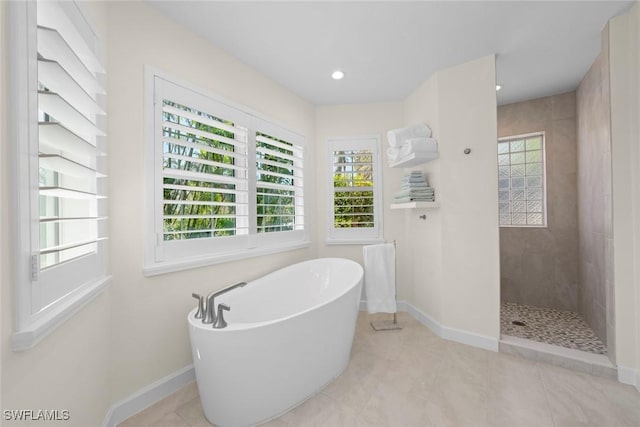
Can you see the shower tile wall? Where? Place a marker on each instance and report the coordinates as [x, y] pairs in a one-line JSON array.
[[539, 266], [595, 297]]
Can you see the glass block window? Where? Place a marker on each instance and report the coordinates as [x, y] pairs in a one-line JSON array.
[[521, 181]]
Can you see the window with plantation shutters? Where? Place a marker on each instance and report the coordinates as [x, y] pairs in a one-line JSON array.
[[226, 183], [354, 190], [279, 166], [59, 100]]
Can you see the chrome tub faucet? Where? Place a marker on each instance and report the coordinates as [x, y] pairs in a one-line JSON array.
[[210, 315]]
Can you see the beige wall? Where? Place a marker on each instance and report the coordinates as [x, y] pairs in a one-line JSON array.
[[424, 237], [148, 326], [470, 240], [4, 250], [594, 197], [353, 121], [624, 44], [69, 368], [455, 252], [539, 266], [635, 88]]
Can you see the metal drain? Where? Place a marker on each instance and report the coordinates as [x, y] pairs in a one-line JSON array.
[[518, 323]]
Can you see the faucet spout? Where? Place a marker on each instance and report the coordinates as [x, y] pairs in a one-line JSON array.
[[210, 316]]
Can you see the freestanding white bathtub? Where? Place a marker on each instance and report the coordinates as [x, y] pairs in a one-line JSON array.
[[289, 334]]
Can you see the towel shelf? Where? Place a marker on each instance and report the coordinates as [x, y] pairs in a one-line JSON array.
[[415, 158], [416, 205]]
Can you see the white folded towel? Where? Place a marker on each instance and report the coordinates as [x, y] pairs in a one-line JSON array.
[[393, 153], [397, 136], [380, 277], [418, 145]]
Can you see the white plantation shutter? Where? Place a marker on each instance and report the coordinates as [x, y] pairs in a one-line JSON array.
[[353, 205], [59, 121], [355, 189], [69, 109], [220, 186], [279, 187], [204, 175], [71, 148]]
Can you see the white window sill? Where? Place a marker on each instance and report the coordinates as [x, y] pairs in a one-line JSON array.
[[35, 332], [186, 264], [353, 241], [523, 226]]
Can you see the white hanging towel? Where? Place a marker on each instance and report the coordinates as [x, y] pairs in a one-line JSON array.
[[380, 277]]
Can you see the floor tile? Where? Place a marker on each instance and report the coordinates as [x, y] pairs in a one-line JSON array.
[[413, 378], [576, 399], [192, 413], [516, 394], [321, 410]]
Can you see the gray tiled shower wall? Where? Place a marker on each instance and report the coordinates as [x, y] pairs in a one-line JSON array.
[[569, 264], [595, 269], [539, 266]]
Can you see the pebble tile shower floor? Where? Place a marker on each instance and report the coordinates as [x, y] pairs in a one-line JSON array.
[[413, 378], [557, 327]]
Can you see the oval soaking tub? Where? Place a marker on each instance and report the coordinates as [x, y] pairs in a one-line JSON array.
[[289, 334]]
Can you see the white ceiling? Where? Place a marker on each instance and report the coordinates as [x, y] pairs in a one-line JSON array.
[[387, 49]]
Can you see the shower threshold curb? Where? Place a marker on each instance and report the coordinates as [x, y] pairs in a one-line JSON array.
[[581, 361]]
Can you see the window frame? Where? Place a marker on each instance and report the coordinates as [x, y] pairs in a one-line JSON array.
[[355, 236], [72, 284], [157, 260], [545, 206]]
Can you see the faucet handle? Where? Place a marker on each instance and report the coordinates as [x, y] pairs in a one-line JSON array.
[[220, 323], [200, 312]]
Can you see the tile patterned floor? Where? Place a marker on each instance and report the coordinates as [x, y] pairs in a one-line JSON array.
[[413, 378], [557, 327]]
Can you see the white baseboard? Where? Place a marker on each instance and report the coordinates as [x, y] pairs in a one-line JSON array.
[[629, 376], [445, 332], [426, 320], [148, 395], [470, 338]]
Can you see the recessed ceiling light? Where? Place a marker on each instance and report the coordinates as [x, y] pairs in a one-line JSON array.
[[337, 75], [498, 87]]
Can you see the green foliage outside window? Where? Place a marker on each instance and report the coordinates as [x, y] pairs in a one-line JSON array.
[[275, 207], [215, 216], [353, 207]]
